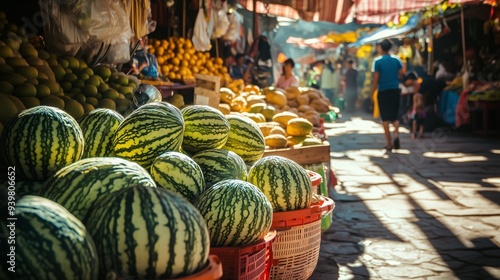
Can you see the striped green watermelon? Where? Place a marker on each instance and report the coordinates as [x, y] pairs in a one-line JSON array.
[[50, 243], [286, 184], [179, 173], [245, 138], [80, 185], [206, 128], [148, 132], [23, 188], [98, 127], [39, 141], [237, 213], [218, 165], [148, 233]]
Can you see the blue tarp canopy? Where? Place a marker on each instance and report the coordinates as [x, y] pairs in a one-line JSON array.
[[387, 32]]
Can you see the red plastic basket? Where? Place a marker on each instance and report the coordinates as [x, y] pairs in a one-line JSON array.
[[251, 262], [212, 271], [315, 178], [302, 216]]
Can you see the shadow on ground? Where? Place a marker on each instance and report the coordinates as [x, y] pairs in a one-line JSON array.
[[413, 187]]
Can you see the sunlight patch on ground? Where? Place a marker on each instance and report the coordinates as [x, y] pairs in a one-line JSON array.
[[469, 159], [458, 184], [402, 152], [496, 152], [442, 155], [493, 181]]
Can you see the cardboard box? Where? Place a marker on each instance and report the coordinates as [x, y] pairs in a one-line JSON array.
[[206, 91], [304, 155]]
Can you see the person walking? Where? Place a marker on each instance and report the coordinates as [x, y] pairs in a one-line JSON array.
[[327, 81], [350, 81], [387, 69]]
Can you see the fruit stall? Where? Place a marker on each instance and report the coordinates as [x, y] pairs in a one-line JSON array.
[[107, 174]]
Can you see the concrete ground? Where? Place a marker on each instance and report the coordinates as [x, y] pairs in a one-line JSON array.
[[430, 210]]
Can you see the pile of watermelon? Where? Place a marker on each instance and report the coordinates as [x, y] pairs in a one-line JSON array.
[[144, 196]]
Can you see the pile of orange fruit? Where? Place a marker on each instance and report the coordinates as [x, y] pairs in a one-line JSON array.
[[179, 60]]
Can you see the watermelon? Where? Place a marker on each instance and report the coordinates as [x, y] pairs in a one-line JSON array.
[[39, 141], [218, 165], [98, 127], [237, 213], [80, 185], [148, 233], [50, 243], [285, 183], [179, 173], [23, 188], [148, 132], [206, 128], [245, 138]]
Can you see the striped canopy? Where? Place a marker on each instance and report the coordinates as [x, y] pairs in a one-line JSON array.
[[342, 11]]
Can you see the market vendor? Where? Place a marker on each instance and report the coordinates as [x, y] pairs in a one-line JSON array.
[[238, 70], [287, 78]]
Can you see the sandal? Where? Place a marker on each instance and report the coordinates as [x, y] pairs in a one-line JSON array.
[[396, 143]]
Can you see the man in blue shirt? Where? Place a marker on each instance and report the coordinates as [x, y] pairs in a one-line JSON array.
[[387, 69]]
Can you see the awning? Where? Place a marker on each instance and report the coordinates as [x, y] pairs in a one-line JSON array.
[[382, 11], [387, 32], [308, 10]]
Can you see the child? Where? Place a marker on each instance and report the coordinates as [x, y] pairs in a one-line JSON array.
[[418, 116]]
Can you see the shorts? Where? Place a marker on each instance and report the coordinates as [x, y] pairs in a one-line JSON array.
[[388, 103], [419, 118]]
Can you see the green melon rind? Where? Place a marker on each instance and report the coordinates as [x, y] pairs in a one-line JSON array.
[[40, 141], [285, 183], [149, 233], [98, 127], [50, 242], [179, 173], [148, 132], [79, 186], [237, 213], [205, 128], [218, 165], [245, 138]]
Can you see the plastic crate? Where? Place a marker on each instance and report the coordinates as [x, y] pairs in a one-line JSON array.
[[212, 271], [251, 262], [316, 180], [303, 216], [296, 251]]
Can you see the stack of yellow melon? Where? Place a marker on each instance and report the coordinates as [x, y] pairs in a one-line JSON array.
[[282, 125], [179, 60]]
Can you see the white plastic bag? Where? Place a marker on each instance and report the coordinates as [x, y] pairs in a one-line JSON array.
[[203, 30], [221, 21], [234, 31]]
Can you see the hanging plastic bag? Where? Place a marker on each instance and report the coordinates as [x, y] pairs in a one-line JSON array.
[[233, 32], [203, 29], [221, 21]]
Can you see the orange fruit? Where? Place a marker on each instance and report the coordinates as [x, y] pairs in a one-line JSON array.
[[156, 43], [178, 76], [161, 60], [219, 61], [175, 61], [165, 69], [171, 76], [159, 50], [185, 63], [188, 44]]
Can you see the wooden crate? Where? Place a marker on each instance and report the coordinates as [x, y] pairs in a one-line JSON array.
[[304, 155]]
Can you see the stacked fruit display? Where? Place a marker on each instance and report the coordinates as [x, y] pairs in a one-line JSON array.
[[168, 181], [31, 77], [179, 60], [286, 118]]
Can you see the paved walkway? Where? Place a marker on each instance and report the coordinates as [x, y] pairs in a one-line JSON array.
[[428, 211]]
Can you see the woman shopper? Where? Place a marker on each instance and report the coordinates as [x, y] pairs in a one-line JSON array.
[[387, 69], [287, 79]]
